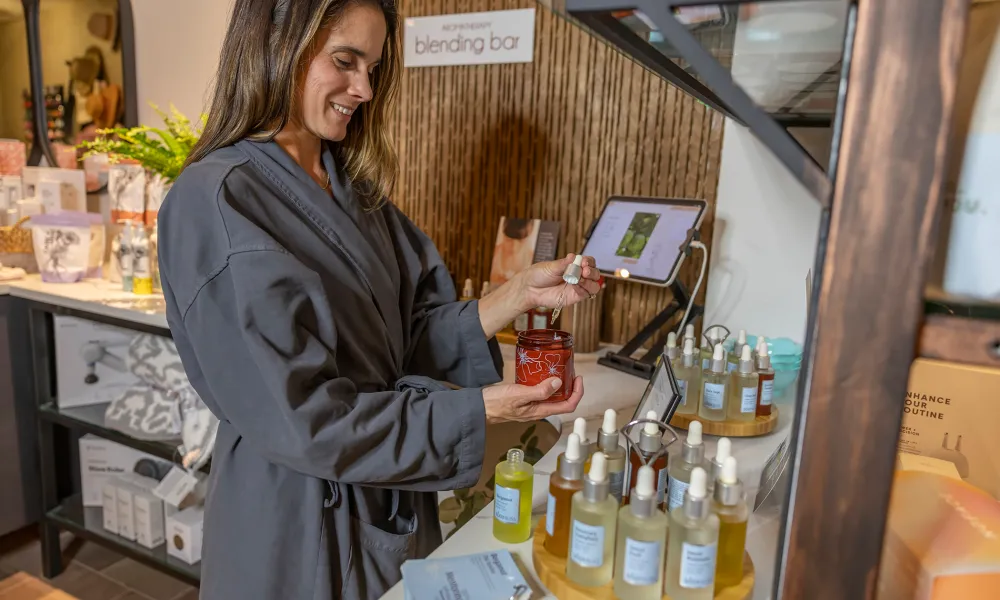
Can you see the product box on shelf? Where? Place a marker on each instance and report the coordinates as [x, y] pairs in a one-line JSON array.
[[184, 530], [102, 460], [91, 363], [110, 511], [951, 413], [942, 540], [915, 462]]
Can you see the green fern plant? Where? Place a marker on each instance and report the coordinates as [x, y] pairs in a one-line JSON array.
[[161, 150]]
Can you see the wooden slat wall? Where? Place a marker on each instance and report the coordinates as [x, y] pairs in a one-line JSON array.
[[552, 140]]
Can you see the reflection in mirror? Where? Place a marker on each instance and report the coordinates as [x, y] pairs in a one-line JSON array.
[[15, 117], [82, 71]]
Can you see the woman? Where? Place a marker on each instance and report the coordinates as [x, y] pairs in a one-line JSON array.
[[316, 321]]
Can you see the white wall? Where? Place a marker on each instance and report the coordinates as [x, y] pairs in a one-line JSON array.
[[177, 51]]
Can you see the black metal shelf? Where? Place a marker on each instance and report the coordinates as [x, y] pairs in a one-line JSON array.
[[88, 522], [90, 419], [939, 302]]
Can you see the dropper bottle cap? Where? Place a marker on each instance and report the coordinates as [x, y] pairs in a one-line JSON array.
[[595, 484], [693, 450], [644, 494], [718, 359], [728, 488], [469, 291], [580, 429], [723, 450], [607, 437], [688, 352], [746, 359], [741, 340], [486, 289], [695, 500], [763, 358], [689, 332], [571, 465], [574, 271], [649, 437], [671, 349]]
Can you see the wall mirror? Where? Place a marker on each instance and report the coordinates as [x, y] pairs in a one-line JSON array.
[[82, 61]]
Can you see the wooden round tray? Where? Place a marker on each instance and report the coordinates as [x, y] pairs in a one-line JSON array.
[[758, 426], [551, 572]]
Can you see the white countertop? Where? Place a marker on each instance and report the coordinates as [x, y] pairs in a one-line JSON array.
[[618, 390], [97, 296]]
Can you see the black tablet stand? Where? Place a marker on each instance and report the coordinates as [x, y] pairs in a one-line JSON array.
[[646, 364]]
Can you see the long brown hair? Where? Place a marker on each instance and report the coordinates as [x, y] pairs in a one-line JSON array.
[[266, 46]]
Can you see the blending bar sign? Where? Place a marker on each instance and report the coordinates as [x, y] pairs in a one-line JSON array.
[[503, 36]]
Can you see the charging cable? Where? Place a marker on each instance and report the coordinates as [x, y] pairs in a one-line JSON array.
[[697, 286]]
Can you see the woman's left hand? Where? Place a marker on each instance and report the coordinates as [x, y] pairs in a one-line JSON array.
[[542, 283]]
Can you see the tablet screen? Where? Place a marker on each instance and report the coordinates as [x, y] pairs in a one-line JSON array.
[[642, 236]]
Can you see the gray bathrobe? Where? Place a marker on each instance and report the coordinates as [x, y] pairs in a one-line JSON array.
[[319, 334]]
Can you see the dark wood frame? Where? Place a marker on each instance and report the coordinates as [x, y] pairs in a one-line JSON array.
[[41, 147]]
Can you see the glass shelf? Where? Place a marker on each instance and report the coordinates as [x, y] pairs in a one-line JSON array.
[[88, 522]]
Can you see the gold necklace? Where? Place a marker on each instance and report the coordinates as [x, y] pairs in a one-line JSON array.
[[326, 186]]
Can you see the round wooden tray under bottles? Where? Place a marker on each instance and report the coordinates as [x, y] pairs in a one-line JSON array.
[[552, 573], [758, 426]]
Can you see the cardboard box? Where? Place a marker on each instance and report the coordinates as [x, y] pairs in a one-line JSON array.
[[952, 413], [110, 499], [91, 363], [184, 534], [149, 525], [125, 510], [942, 541], [101, 460]]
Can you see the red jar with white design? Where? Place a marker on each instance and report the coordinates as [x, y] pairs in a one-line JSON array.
[[542, 354]]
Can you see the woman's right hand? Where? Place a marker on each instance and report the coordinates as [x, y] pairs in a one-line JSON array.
[[512, 402]]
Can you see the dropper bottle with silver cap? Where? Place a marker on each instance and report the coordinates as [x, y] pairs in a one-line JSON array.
[[723, 450], [650, 443], [733, 361], [565, 482], [468, 292], [694, 538], [592, 534], [742, 403], [587, 446], [765, 379], [689, 335], [692, 455], [714, 385], [608, 443], [642, 539], [671, 349], [731, 507], [688, 375]]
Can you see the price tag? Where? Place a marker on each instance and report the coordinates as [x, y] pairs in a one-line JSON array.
[[176, 486]]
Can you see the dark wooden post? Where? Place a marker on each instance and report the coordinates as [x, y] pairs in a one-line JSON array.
[[887, 201]]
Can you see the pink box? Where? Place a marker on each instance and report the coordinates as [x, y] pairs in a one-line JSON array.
[[13, 157]]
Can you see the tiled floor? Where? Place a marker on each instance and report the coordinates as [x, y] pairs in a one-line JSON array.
[[91, 572]]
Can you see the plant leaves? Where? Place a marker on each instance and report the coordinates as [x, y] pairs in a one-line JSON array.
[[528, 433], [449, 510], [479, 501], [462, 494]]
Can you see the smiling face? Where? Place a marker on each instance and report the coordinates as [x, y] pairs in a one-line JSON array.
[[337, 80]]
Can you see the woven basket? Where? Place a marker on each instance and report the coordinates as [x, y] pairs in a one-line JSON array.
[[15, 239]]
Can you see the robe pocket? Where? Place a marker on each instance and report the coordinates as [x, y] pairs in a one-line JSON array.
[[377, 557]]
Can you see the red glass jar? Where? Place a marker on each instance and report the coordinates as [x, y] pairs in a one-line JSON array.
[[542, 354]]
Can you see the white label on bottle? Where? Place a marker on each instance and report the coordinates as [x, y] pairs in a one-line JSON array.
[[730, 367], [766, 392], [125, 260], [616, 481], [642, 562], [677, 490], [704, 363], [540, 322], [507, 504], [550, 515], [748, 400], [141, 265], [697, 566], [713, 395], [521, 322], [587, 545], [661, 486], [682, 386]]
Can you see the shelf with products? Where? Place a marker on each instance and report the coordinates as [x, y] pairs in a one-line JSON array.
[[960, 329], [87, 522]]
